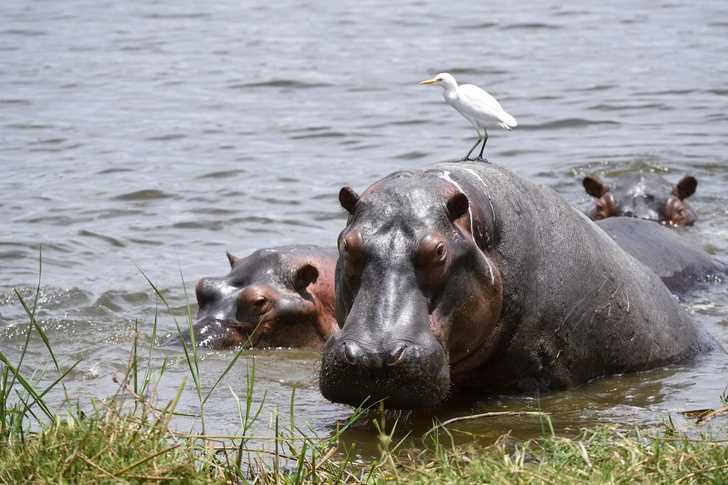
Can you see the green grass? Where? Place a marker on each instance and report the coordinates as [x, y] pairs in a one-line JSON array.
[[600, 455], [128, 437]]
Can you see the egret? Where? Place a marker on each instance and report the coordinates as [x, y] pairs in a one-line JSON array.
[[476, 105]]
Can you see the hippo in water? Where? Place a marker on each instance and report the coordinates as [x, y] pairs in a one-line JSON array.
[[277, 297], [645, 196], [679, 263], [467, 276]]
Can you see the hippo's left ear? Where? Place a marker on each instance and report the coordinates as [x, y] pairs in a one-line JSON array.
[[594, 186], [685, 187], [457, 206], [305, 275], [348, 199], [231, 258]]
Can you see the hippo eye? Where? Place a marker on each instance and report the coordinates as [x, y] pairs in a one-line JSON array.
[[351, 245], [432, 249], [259, 301]]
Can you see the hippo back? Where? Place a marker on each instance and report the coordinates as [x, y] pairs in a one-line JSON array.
[[576, 306], [678, 261]]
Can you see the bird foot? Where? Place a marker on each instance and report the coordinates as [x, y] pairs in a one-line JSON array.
[[482, 159]]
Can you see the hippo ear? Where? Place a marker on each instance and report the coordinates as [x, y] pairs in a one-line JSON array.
[[685, 187], [457, 205], [232, 259], [305, 275], [594, 186], [348, 199]]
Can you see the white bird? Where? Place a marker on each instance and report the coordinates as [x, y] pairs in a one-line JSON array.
[[476, 105]]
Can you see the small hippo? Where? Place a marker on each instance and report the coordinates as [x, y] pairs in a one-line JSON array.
[[467, 276], [680, 264], [645, 196], [277, 297]]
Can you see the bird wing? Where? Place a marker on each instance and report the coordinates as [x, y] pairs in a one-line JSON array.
[[479, 104]]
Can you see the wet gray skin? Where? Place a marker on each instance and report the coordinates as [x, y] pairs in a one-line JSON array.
[[676, 258], [643, 195], [466, 276], [277, 297]]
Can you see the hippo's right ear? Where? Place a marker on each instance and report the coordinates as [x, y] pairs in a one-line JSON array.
[[232, 259], [457, 206], [348, 199], [685, 187], [305, 275], [594, 186]]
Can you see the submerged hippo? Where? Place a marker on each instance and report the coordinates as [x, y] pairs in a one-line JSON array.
[[680, 265], [467, 276], [645, 196], [278, 297]]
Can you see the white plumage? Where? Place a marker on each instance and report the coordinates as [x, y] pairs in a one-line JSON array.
[[476, 105]]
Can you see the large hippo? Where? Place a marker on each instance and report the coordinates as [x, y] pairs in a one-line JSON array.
[[677, 260], [467, 276], [277, 297], [643, 195]]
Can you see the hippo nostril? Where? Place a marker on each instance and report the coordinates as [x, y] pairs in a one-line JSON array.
[[396, 356], [353, 353]]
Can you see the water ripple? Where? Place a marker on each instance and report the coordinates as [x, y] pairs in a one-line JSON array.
[[23, 32], [113, 241], [167, 137], [10, 101], [142, 195], [478, 26], [531, 26], [279, 83], [568, 123]]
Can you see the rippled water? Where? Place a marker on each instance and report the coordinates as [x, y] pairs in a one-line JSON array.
[[153, 136]]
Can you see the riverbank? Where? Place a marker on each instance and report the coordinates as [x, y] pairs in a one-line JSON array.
[[113, 448]]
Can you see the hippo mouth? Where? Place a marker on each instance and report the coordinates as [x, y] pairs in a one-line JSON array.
[[211, 332], [420, 381], [248, 331]]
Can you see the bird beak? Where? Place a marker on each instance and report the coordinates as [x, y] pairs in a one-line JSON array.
[[429, 81]]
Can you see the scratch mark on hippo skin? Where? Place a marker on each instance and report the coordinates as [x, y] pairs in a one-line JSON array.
[[477, 176], [445, 175]]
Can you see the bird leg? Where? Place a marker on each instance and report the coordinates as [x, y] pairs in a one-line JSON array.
[[485, 140], [477, 141]]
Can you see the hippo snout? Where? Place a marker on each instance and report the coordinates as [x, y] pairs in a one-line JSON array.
[[398, 353], [404, 374]]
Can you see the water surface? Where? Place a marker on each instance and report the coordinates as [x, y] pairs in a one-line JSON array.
[[139, 136]]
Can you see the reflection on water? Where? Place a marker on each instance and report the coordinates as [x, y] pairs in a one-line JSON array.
[[153, 137]]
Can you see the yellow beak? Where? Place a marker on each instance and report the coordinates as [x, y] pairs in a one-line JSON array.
[[429, 81]]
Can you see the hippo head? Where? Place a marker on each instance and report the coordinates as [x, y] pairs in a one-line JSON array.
[[272, 298], [410, 279], [645, 196]]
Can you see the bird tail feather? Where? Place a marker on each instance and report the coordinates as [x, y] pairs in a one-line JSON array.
[[508, 121]]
